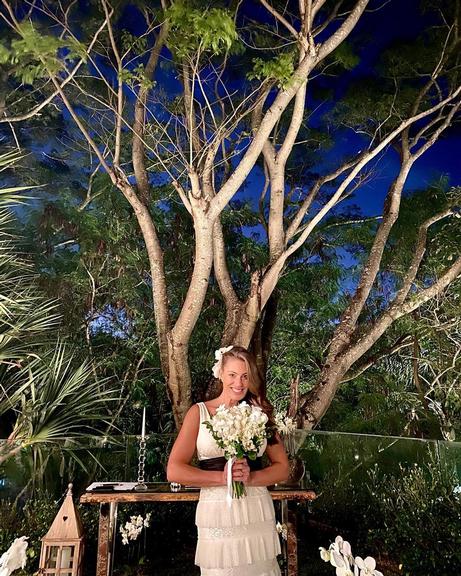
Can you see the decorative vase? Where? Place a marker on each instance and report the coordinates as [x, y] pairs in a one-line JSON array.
[[297, 472], [293, 442]]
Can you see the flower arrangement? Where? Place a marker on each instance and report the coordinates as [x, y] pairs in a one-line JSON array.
[[339, 554], [133, 528], [286, 427], [240, 431]]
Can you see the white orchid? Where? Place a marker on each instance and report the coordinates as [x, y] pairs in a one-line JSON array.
[[285, 425], [15, 557], [344, 571], [132, 529], [282, 530], [367, 567], [216, 369], [339, 554], [341, 563]]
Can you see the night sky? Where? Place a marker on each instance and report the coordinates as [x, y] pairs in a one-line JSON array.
[[386, 22]]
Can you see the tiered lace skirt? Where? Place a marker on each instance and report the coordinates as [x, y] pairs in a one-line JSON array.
[[240, 540]]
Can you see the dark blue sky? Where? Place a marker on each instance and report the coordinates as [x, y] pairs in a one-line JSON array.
[[394, 20]]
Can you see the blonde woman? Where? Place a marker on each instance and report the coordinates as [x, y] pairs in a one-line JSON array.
[[241, 539]]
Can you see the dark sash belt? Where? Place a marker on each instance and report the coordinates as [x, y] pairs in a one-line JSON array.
[[219, 463]]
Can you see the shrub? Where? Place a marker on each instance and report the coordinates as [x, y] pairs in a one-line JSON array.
[[420, 519]]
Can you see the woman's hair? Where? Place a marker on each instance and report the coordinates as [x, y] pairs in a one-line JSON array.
[[256, 394]]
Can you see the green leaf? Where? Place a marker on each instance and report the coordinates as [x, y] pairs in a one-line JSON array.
[[280, 68]]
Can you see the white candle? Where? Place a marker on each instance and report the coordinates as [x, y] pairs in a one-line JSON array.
[[66, 555], [143, 430]]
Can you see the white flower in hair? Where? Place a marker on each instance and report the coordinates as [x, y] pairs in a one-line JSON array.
[[218, 357]]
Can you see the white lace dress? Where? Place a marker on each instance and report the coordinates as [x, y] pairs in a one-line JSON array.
[[240, 540]]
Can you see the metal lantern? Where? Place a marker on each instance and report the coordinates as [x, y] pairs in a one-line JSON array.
[[62, 547]]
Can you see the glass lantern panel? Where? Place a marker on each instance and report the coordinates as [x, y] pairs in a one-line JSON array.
[[67, 557], [51, 556]]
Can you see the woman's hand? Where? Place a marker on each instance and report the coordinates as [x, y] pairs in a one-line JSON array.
[[241, 471]]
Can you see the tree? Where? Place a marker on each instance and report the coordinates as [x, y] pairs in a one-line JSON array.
[[208, 141]]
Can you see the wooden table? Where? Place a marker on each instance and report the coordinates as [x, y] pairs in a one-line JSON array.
[[160, 492]]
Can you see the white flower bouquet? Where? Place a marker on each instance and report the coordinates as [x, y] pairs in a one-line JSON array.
[[240, 431]]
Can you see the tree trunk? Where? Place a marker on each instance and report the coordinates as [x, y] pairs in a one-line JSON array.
[[261, 343], [313, 405], [179, 380]]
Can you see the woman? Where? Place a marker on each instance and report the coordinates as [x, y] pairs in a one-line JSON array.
[[241, 539]]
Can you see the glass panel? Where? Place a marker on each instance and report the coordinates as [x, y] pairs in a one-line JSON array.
[[450, 458], [67, 557], [51, 556]]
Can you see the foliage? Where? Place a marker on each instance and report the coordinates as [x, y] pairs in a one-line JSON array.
[[197, 30], [36, 55], [379, 492], [45, 393], [55, 399], [419, 497], [24, 314], [280, 68]]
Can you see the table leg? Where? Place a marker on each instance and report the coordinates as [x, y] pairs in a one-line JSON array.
[[106, 538], [292, 540], [284, 518]]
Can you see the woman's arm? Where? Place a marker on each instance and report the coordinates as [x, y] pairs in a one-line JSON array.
[[179, 468], [278, 471]]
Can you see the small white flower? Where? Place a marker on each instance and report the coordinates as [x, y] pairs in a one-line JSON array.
[[367, 567], [324, 554], [336, 559], [147, 520], [282, 530], [133, 528]]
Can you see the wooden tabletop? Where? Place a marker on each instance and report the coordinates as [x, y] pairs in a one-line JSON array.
[[162, 493]]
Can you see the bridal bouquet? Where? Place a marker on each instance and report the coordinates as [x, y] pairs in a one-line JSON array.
[[240, 431]]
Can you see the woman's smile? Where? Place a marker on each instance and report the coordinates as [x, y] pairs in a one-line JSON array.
[[234, 377]]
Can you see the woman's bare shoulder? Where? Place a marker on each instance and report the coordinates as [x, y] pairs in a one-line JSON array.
[[193, 412], [191, 422]]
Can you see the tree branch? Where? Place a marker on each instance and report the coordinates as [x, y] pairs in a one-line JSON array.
[[397, 310], [284, 22], [324, 49], [402, 342], [119, 114], [278, 265], [138, 149], [50, 98]]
